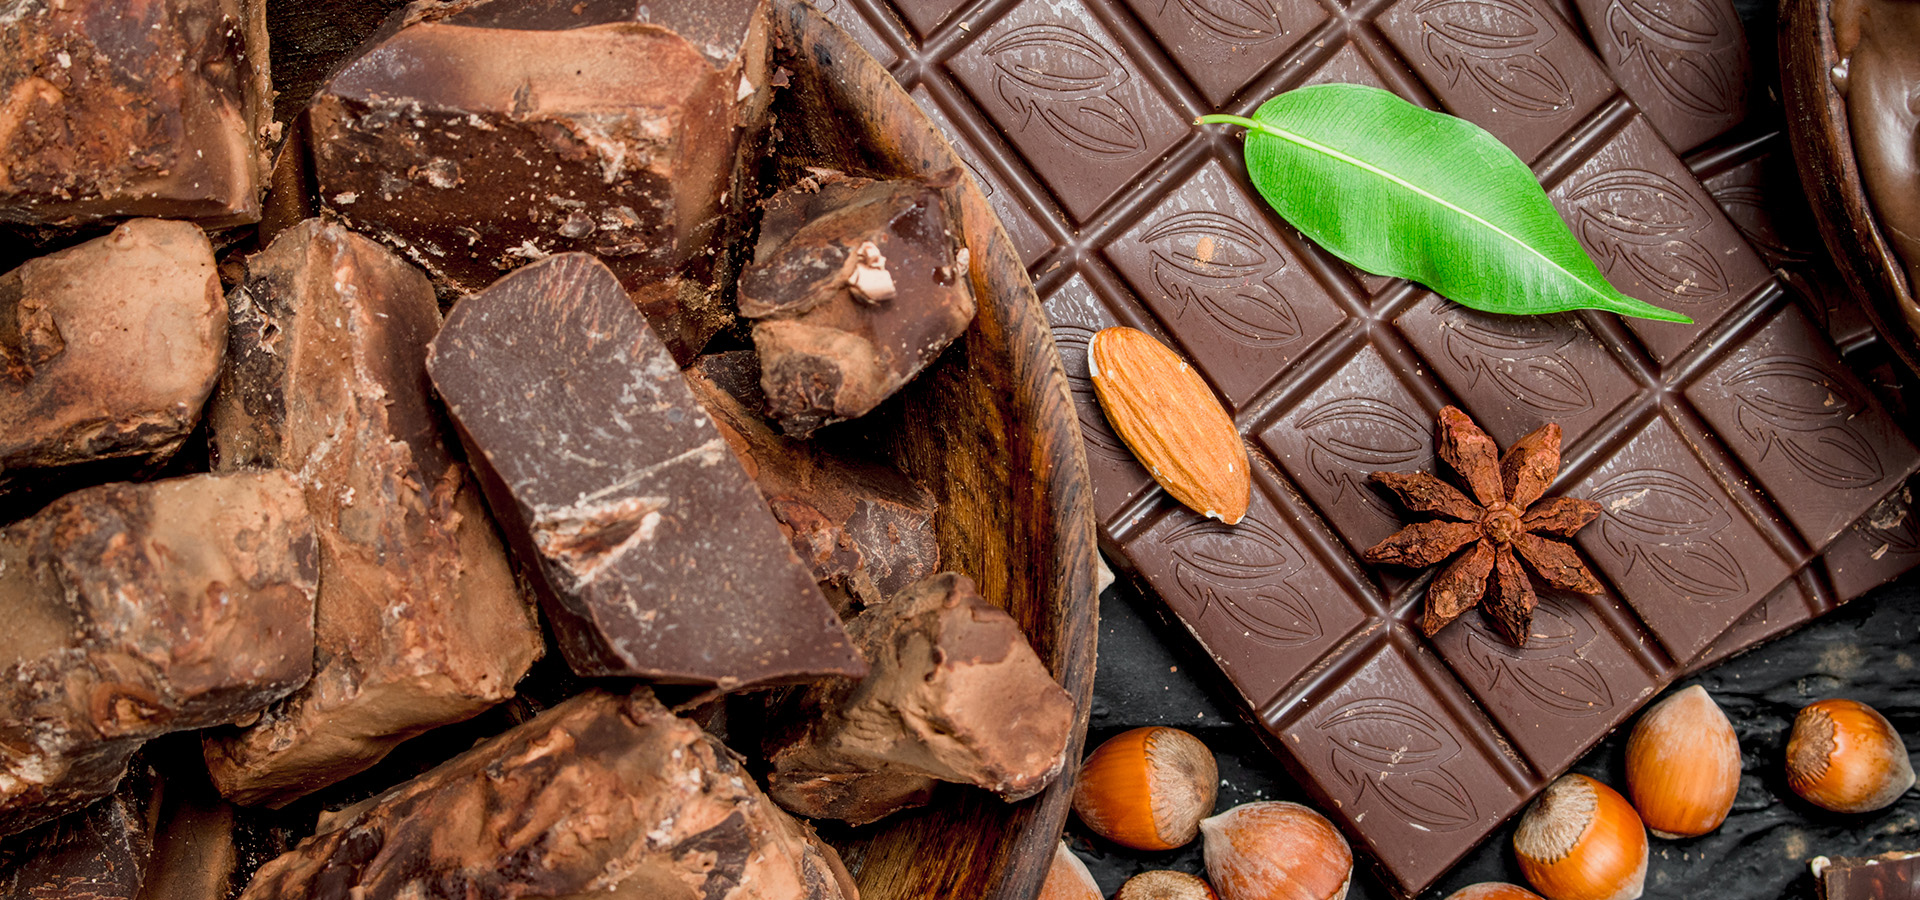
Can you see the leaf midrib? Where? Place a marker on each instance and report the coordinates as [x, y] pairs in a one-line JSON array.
[[1256, 125]]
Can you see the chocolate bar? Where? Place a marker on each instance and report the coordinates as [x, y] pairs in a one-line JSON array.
[[1889, 876], [1075, 115]]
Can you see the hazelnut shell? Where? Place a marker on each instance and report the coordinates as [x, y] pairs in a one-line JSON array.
[[1683, 765], [1846, 757], [1147, 788], [1581, 840], [1275, 850]]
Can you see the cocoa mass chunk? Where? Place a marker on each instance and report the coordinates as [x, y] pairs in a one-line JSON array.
[[956, 694], [856, 286], [99, 853], [864, 528], [116, 110], [603, 795], [108, 349], [654, 554], [418, 621], [480, 136], [138, 610]]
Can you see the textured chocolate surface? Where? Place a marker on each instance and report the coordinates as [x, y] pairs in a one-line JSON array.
[[1889, 876], [1075, 117]]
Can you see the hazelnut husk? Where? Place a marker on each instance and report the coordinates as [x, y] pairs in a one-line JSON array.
[[1147, 788], [1068, 878], [1581, 840], [1274, 850], [1683, 765], [1165, 884], [1845, 756]]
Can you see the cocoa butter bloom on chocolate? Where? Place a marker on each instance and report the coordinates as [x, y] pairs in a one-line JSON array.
[[1505, 523]]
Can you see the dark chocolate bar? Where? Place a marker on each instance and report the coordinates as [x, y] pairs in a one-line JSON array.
[[1075, 117], [1889, 876]]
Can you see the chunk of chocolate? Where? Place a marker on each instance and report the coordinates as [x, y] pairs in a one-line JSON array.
[[856, 285], [98, 853], [864, 528], [1889, 876], [138, 610], [480, 136], [654, 554], [156, 109], [418, 622], [956, 694], [603, 795], [108, 349]]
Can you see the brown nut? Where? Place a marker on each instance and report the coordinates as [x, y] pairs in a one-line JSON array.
[[1846, 757], [1068, 878], [1171, 420], [1275, 850], [1493, 890], [1683, 765], [1165, 884], [1581, 840], [1147, 788]]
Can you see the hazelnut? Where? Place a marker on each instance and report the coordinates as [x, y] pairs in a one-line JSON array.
[[1068, 878], [1581, 840], [1275, 850], [1493, 890], [1165, 884], [1683, 765], [1147, 788], [1846, 757]]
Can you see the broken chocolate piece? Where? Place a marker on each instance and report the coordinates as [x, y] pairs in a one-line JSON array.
[[655, 556], [856, 286], [480, 136], [1889, 876], [604, 794], [418, 622], [108, 349], [138, 610], [154, 109], [98, 853], [956, 694], [864, 528]]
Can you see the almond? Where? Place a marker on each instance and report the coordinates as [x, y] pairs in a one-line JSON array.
[[1171, 421]]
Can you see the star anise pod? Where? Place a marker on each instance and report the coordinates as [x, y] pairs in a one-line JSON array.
[[1507, 525]]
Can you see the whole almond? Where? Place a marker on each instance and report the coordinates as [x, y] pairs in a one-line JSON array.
[[1171, 421]]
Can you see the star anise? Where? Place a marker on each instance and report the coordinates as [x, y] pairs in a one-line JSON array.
[[1505, 527]]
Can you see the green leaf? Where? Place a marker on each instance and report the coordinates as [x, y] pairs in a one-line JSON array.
[[1399, 190]]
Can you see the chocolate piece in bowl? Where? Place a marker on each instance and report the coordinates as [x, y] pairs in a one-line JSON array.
[[856, 285], [1343, 373], [653, 553], [117, 111], [864, 528], [480, 136], [418, 622], [956, 694], [108, 349], [139, 610], [103, 852], [603, 794]]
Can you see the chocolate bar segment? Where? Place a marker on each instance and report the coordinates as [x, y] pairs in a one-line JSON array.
[[1889, 876], [653, 553], [1331, 374], [1684, 63]]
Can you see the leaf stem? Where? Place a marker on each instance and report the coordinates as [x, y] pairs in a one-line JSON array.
[[1224, 119]]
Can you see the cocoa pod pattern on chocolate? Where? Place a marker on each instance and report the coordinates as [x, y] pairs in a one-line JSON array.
[[1662, 521], [1496, 44], [1219, 264], [1241, 571], [1530, 369], [1398, 752], [1245, 23], [1072, 343], [1650, 225], [1550, 669], [1794, 407], [1684, 46], [1350, 438], [1062, 79]]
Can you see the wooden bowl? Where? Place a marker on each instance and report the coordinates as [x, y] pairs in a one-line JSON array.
[[990, 429], [1823, 152]]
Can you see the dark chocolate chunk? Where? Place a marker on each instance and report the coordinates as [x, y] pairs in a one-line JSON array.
[[1333, 374], [420, 623], [1889, 876], [603, 794], [654, 553], [956, 694], [139, 610], [864, 528], [109, 349], [480, 136], [856, 286], [160, 109], [99, 853]]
